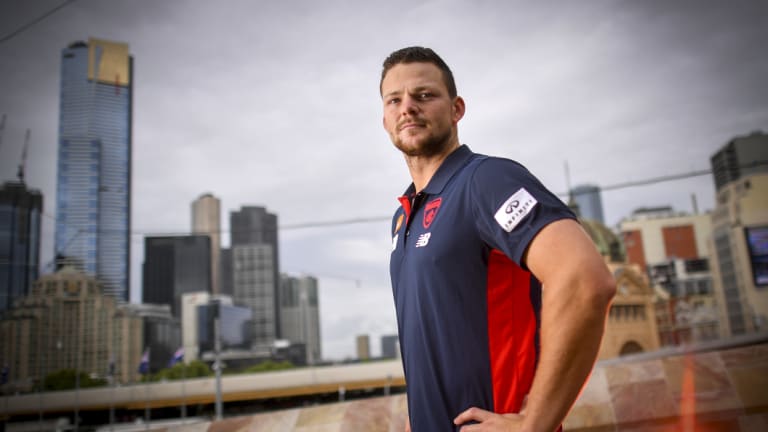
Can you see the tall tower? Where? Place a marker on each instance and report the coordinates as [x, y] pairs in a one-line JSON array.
[[300, 313], [93, 187], [174, 266], [20, 211], [589, 201], [254, 234], [206, 220]]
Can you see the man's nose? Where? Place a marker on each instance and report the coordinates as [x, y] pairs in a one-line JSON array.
[[409, 105]]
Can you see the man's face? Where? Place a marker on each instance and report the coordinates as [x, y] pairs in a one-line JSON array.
[[419, 114]]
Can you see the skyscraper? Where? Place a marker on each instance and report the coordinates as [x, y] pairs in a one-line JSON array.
[[174, 266], [589, 201], [254, 226], [20, 211], [93, 193], [300, 313], [254, 288], [206, 211]]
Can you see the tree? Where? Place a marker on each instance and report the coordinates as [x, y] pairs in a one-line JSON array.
[[195, 369], [65, 379], [269, 365]]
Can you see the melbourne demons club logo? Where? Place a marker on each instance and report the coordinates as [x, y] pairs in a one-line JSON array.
[[430, 211]]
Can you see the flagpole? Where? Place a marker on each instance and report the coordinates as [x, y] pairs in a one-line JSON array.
[[147, 413], [112, 393], [183, 391]]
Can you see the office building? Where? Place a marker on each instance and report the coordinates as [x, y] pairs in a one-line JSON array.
[[234, 326], [659, 234], [20, 212], [225, 272], [300, 314], [93, 184], [174, 266], [254, 288], [672, 248], [190, 322], [67, 323], [206, 220], [589, 201], [160, 334], [390, 346], [252, 225], [741, 157], [363, 345], [740, 234]]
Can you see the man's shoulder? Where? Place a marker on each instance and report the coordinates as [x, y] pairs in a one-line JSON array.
[[485, 168]]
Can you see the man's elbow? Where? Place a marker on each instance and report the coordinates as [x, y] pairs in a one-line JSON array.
[[603, 289]]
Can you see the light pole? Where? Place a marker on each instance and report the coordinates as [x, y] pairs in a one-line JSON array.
[[77, 368], [216, 357], [41, 369]]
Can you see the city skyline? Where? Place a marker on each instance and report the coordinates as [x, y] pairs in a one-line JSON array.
[[285, 113]]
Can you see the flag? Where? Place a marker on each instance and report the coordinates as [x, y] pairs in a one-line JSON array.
[[177, 357], [144, 365]]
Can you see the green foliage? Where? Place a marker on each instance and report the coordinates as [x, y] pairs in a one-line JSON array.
[[268, 366], [194, 369], [65, 379]]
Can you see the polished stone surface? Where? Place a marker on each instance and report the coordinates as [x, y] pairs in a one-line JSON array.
[[724, 390]]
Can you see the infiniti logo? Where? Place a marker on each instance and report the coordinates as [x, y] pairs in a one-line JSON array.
[[512, 206]]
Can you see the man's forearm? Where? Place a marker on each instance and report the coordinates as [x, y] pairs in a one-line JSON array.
[[572, 325]]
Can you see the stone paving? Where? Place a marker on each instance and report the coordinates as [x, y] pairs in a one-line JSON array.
[[724, 390]]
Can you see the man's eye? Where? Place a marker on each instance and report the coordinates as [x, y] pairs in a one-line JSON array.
[[393, 101], [424, 95]]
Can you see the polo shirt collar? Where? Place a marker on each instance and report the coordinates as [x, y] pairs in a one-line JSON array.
[[457, 159]]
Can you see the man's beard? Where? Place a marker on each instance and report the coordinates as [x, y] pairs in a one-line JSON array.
[[431, 146]]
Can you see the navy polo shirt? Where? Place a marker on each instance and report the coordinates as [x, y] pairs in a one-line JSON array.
[[467, 307]]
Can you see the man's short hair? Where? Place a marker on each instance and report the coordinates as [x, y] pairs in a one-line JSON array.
[[417, 54]]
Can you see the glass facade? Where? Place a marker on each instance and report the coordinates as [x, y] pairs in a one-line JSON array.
[[20, 210], [94, 162], [234, 326], [589, 201], [254, 288], [254, 225], [174, 266]]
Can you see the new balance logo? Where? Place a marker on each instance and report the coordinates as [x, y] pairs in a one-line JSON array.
[[423, 240]]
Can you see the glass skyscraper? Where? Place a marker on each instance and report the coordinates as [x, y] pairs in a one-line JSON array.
[[20, 212], [93, 199], [590, 204]]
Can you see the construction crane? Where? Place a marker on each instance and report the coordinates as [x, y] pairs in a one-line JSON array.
[[22, 164], [2, 127]]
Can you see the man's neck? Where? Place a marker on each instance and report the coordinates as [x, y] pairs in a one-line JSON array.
[[422, 168]]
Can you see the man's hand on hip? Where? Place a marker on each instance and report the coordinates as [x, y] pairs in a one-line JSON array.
[[488, 421]]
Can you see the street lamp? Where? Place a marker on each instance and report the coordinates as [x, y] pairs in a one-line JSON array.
[[216, 356]]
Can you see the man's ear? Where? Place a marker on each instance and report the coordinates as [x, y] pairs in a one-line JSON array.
[[458, 109]]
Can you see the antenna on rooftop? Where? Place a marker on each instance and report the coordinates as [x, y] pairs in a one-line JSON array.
[[22, 164]]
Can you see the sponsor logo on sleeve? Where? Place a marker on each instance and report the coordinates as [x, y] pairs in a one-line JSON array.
[[394, 242], [514, 209]]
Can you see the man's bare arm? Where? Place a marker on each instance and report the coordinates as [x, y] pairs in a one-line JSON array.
[[576, 291]]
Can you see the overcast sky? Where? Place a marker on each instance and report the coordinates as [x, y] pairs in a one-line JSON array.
[[277, 104]]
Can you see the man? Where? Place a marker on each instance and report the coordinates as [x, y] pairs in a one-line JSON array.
[[501, 297]]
